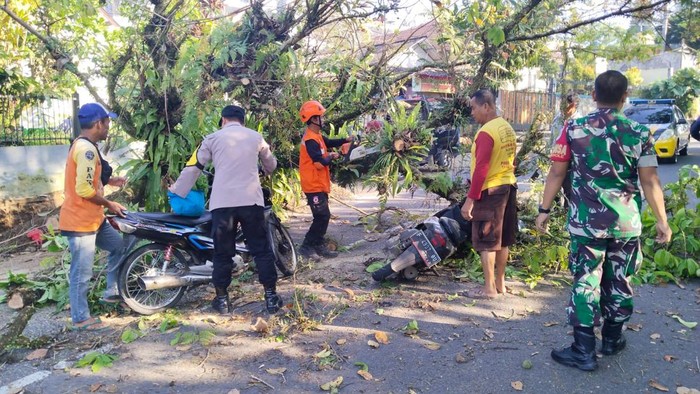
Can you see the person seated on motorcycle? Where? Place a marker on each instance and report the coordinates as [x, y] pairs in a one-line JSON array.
[[314, 160], [236, 197], [374, 126]]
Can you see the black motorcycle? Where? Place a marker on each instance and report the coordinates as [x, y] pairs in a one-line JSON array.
[[421, 248], [445, 146], [168, 253]]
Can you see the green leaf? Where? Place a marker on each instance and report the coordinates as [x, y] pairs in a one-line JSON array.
[[130, 335], [411, 326], [362, 366], [496, 35], [691, 324], [375, 266]]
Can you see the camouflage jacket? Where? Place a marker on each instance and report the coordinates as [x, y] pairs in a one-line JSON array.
[[604, 150]]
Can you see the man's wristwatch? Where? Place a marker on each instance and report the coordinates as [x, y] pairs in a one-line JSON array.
[[542, 210]]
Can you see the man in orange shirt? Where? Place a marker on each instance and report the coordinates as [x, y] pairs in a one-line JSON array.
[[82, 220], [491, 199], [315, 175]]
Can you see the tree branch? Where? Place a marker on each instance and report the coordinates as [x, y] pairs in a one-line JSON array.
[[58, 54], [620, 12]]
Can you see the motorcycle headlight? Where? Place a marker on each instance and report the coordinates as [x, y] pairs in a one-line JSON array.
[[667, 134]]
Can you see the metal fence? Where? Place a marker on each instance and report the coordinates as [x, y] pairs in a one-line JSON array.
[[37, 120]]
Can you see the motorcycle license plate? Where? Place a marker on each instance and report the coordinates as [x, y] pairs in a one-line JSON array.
[[426, 251]]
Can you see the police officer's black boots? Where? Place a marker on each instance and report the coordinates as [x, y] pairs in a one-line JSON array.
[[581, 353], [613, 340], [221, 303], [308, 252], [323, 251], [273, 302]]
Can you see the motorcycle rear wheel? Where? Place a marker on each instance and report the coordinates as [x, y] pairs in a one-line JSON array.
[[143, 261], [283, 248]]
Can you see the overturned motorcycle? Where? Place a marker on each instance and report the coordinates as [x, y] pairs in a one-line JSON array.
[[423, 247], [167, 253]]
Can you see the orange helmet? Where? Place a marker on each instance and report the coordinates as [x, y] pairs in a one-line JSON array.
[[310, 109]]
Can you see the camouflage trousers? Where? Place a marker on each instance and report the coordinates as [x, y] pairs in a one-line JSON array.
[[601, 267]]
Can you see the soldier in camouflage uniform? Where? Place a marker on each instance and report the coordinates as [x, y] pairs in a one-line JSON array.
[[609, 156]]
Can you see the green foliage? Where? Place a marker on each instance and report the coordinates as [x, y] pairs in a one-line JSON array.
[[204, 337], [54, 241], [679, 258], [96, 360], [169, 321], [684, 86], [402, 145], [130, 335], [442, 184]]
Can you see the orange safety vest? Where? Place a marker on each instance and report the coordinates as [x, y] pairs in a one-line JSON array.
[[77, 213], [313, 180]]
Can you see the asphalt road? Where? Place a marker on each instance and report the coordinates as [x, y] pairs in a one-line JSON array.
[[669, 172]]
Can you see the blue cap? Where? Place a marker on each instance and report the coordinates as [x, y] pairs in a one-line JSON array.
[[92, 112]]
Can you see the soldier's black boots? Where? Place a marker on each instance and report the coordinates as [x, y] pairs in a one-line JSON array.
[[323, 251], [273, 302], [221, 303], [308, 252], [581, 353], [613, 340]]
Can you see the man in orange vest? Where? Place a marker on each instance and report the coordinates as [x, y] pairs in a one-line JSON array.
[[314, 160], [82, 220], [491, 199]]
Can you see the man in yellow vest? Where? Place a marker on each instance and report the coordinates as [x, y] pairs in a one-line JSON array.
[[491, 199], [82, 220], [315, 175]]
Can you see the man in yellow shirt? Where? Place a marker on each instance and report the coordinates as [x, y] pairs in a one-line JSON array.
[[490, 203], [82, 220]]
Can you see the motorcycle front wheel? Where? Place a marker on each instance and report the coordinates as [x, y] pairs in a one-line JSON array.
[[283, 248], [147, 260]]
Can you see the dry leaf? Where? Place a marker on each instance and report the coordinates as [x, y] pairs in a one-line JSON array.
[[373, 344], [381, 337], [234, 391], [94, 387], [685, 390], [350, 293], [260, 325], [656, 385], [16, 301], [459, 358], [634, 327], [183, 348], [365, 374], [276, 371], [341, 341], [432, 345], [332, 385], [655, 336], [38, 354], [517, 385], [112, 388], [550, 323], [669, 358]]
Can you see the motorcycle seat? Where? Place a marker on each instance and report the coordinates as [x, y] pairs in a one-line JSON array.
[[177, 219]]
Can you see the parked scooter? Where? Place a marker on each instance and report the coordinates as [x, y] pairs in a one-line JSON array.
[[169, 253], [424, 246], [445, 146]]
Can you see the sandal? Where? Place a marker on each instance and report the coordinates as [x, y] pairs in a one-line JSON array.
[[93, 325], [478, 294], [111, 299]]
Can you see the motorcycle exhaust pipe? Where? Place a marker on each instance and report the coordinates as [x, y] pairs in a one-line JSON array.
[[170, 281]]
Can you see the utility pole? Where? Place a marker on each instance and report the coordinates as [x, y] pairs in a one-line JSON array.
[[664, 29]]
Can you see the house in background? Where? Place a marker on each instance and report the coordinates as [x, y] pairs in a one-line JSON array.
[[662, 66]]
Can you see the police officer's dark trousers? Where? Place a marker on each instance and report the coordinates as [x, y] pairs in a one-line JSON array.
[[252, 220]]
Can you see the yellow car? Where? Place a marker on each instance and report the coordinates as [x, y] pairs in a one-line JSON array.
[[668, 125]]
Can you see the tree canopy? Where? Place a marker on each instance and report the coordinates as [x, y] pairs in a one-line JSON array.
[[171, 65]]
